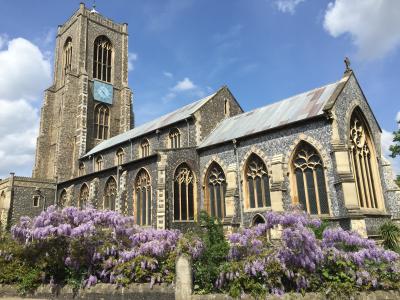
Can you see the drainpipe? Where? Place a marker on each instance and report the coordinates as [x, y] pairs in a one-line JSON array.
[[55, 191], [131, 149], [239, 181], [188, 132]]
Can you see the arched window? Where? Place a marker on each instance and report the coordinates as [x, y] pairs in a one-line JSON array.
[[174, 138], [184, 194], [81, 170], [110, 194], [143, 198], [215, 189], [101, 122], [258, 219], [102, 59], [257, 183], [63, 198], [83, 196], [99, 163], [309, 180], [364, 162], [67, 56], [226, 107], [119, 156], [145, 148]]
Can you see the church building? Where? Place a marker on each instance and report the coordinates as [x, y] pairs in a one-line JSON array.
[[320, 149]]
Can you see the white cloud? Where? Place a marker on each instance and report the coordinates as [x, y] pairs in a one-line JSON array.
[[184, 85], [19, 122], [398, 117], [24, 71], [387, 140], [288, 6], [132, 58], [24, 74], [168, 74], [373, 25]]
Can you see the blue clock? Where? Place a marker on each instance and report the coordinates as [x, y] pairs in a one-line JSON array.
[[103, 92]]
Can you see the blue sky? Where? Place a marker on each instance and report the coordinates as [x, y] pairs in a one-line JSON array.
[[264, 50]]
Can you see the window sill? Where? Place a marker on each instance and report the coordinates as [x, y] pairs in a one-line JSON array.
[[184, 221], [258, 209]]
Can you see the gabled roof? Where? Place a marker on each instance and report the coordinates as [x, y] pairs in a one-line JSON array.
[[300, 107], [165, 120]]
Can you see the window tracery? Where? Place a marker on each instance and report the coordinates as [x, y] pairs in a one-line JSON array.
[[145, 148], [120, 156], [101, 122], [309, 177], [143, 198], [184, 194], [83, 196], [110, 194], [175, 138], [258, 190], [102, 59], [215, 191], [363, 162]]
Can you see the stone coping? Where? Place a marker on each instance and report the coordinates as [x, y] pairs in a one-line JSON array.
[[99, 291], [160, 292]]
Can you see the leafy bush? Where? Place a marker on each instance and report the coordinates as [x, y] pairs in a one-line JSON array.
[[84, 247], [390, 233], [331, 260], [206, 268]]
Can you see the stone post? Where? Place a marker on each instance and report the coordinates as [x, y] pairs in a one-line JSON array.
[[277, 185], [183, 280], [161, 190], [120, 201]]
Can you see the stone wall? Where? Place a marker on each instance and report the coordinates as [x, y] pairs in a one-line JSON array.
[[275, 149]]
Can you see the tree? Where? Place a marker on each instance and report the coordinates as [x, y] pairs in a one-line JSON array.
[[395, 149], [398, 180]]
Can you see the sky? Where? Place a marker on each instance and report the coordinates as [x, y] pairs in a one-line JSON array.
[[182, 50]]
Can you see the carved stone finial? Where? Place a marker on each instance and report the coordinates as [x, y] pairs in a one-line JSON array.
[[347, 63]]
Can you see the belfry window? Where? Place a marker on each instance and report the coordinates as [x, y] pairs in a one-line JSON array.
[[309, 180], [257, 187], [99, 163], [83, 196], [145, 148], [102, 59], [363, 162], [110, 194], [215, 187], [143, 198], [119, 156], [174, 138], [67, 56], [101, 122], [184, 194]]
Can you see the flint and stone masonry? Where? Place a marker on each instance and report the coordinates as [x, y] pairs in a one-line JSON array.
[[208, 155]]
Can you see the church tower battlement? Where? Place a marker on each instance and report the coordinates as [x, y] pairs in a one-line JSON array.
[[89, 100]]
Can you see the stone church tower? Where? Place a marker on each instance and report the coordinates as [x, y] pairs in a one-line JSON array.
[[90, 100]]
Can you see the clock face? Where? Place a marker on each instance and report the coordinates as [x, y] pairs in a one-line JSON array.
[[102, 92]]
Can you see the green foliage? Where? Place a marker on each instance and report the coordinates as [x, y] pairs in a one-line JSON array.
[[390, 233], [30, 281], [398, 180], [206, 268], [318, 231], [336, 278], [395, 148]]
